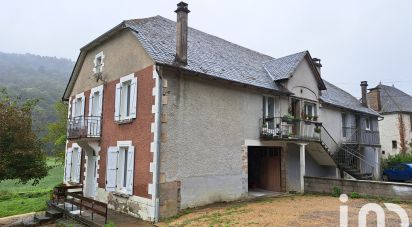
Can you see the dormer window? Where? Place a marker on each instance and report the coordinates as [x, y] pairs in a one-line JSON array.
[[98, 63]]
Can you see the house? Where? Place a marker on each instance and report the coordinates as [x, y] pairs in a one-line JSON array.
[[396, 127], [164, 117]]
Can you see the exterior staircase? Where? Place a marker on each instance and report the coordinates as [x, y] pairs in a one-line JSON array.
[[49, 217], [347, 157]]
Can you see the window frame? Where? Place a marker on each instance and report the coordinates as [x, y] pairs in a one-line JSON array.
[[98, 68], [126, 97], [394, 142], [368, 124], [306, 104]]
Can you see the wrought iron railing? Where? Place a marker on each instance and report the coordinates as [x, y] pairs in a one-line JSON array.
[[278, 127], [84, 127]]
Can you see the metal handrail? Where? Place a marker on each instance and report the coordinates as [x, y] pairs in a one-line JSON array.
[[84, 127]]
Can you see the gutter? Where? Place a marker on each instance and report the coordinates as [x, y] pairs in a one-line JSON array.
[[156, 155]]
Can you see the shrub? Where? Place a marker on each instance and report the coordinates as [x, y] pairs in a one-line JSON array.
[[336, 191], [398, 158], [355, 195]]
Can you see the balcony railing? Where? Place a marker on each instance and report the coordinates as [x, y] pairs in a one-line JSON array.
[[277, 127], [84, 127], [365, 137]]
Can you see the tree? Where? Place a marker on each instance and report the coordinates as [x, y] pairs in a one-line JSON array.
[[21, 156], [56, 131]]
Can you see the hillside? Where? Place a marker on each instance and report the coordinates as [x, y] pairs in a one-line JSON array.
[[39, 77]]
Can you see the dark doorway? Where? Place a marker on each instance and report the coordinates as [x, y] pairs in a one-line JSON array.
[[264, 168]]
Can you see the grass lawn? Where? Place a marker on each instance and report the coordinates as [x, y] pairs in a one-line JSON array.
[[19, 198]]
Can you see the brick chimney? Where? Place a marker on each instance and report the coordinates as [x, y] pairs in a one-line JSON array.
[[181, 33], [364, 87], [316, 62], [374, 99]]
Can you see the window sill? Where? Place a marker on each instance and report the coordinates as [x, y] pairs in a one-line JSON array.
[[121, 194], [125, 121]]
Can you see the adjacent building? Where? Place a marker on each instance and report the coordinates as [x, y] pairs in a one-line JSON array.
[[164, 117], [396, 126]]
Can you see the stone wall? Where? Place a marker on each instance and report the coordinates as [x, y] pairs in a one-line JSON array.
[[363, 187]]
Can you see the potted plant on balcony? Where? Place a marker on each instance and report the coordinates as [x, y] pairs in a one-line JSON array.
[[315, 118], [297, 119], [318, 130], [287, 118], [290, 135]]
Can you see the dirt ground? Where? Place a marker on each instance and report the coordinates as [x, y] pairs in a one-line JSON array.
[[308, 210]]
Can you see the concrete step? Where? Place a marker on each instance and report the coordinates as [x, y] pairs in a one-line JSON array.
[[30, 223], [43, 219], [55, 214]]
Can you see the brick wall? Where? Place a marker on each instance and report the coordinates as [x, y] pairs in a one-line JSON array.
[[372, 188]]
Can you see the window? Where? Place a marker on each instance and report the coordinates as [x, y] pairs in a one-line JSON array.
[[394, 144], [268, 106], [410, 121], [98, 63], [95, 111], [310, 109], [72, 165], [126, 98], [368, 124], [344, 123], [120, 166]]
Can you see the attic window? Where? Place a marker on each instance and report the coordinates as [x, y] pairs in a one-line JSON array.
[[98, 63]]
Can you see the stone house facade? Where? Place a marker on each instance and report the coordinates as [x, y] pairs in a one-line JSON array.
[[164, 117]]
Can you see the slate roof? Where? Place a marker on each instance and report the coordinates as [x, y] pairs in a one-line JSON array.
[[207, 54], [394, 100], [340, 98], [282, 68]]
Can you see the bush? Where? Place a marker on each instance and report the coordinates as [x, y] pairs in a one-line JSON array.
[[336, 191], [398, 158], [355, 195]]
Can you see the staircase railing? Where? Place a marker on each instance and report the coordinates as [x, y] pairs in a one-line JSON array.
[[345, 156]]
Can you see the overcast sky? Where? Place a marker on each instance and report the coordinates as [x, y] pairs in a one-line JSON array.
[[356, 40]]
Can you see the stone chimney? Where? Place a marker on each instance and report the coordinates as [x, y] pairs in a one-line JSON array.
[[364, 87], [316, 62], [181, 33], [374, 99]]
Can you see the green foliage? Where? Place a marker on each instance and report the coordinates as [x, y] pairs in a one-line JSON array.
[[21, 156], [398, 158], [355, 195], [110, 224], [23, 198], [336, 191], [56, 131]]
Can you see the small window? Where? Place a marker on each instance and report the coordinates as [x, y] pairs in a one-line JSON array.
[[368, 124], [344, 122], [310, 110], [98, 63], [394, 144], [410, 121]]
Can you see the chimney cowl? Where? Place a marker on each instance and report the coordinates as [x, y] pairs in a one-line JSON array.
[[182, 7]]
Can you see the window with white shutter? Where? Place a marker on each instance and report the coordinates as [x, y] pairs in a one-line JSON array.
[[111, 169], [95, 111], [126, 98], [76, 163], [120, 168], [68, 165]]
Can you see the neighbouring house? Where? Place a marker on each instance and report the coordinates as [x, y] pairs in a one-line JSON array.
[[396, 127], [164, 117]]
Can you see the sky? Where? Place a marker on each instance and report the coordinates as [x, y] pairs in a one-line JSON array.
[[356, 40]]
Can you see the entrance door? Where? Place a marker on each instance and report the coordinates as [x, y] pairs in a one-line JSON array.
[[91, 172], [264, 168]]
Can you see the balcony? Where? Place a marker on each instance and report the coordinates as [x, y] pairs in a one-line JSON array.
[[84, 127], [291, 129], [360, 136]]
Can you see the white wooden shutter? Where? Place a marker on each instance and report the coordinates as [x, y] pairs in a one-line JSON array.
[[74, 108], [68, 165], [130, 169], [117, 103], [76, 177], [100, 102], [83, 104], [133, 98], [90, 125], [111, 169]]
